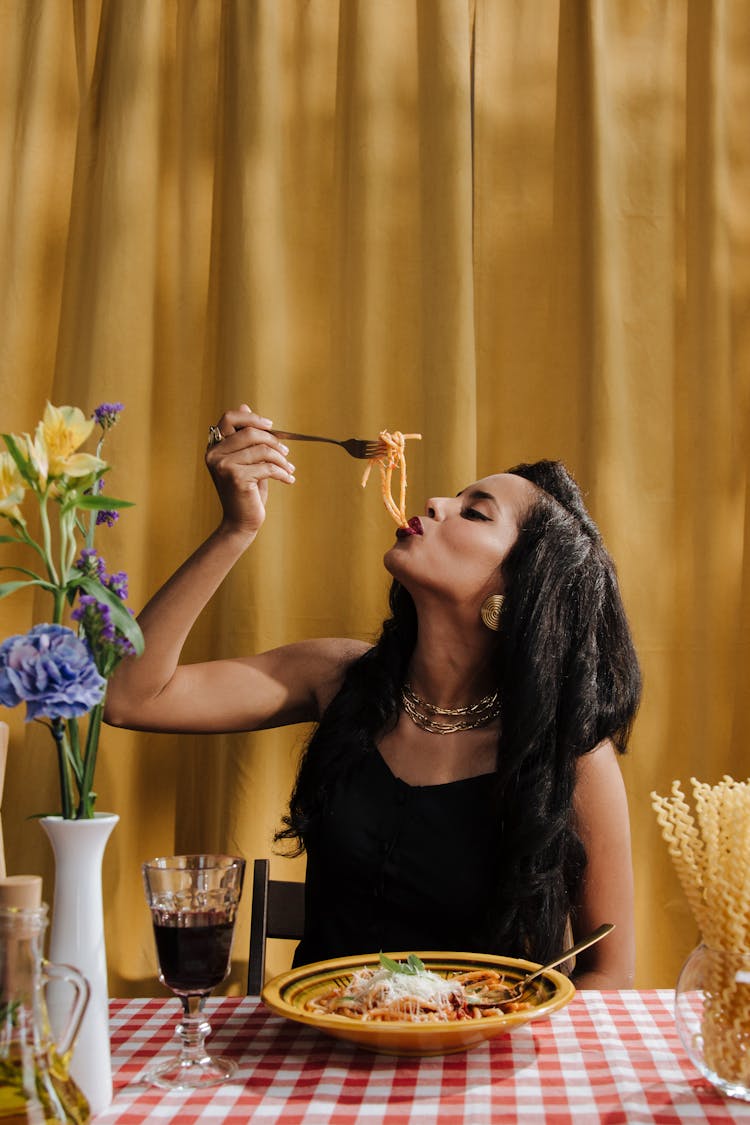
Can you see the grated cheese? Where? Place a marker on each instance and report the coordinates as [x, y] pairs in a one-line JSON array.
[[382, 987]]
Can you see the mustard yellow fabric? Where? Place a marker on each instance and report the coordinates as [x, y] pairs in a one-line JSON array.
[[520, 227]]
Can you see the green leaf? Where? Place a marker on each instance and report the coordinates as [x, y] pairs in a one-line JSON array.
[[11, 587], [408, 968], [23, 570], [121, 619], [387, 963], [22, 463], [10, 539], [93, 503]]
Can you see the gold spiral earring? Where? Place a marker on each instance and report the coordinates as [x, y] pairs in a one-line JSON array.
[[490, 611]]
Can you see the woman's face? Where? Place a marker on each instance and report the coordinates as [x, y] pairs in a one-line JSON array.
[[458, 545]]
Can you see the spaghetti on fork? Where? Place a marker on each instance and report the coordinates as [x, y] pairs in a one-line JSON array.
[[394, 457]]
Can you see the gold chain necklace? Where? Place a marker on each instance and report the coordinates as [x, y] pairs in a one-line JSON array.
[[449, 720]]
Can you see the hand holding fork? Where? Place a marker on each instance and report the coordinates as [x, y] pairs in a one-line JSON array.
[[362, 448]]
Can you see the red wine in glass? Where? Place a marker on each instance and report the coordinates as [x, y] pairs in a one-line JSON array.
[[193, 948], [193, 901]]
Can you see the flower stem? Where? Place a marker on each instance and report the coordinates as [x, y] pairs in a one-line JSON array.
[[47, 537], [24, 537], [67, 543], [96, 488], [86, 803], [58, 731], [75, 752]]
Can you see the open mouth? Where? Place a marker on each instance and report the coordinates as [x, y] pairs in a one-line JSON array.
[[414, 528]]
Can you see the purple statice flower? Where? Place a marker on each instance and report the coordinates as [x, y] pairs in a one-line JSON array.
[[106, 414], [96, 619], [107, 644], [123, 647], [52, 671], [90, 563], [108, 516], [118, 584]]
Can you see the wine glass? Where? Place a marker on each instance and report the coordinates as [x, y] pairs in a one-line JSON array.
[[193, 901]]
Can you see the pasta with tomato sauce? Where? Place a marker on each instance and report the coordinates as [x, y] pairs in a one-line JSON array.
[[409, 992]]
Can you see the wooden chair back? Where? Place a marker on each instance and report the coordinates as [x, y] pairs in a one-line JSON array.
[[278, 911]]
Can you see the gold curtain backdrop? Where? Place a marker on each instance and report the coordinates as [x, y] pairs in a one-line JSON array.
[[520, 227]]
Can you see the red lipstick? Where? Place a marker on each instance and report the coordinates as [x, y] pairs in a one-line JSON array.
[[414, 528]]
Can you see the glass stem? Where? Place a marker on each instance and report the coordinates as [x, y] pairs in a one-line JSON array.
[[193, 1030]]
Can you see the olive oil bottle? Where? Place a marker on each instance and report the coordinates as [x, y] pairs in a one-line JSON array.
[[35, 1085]]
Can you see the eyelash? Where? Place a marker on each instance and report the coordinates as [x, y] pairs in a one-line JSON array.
[[473, 514]]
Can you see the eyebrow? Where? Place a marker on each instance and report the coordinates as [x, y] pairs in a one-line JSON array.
[[479, 494]]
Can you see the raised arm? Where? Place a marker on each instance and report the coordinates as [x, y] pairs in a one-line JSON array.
[[607, 893], [286, 685]]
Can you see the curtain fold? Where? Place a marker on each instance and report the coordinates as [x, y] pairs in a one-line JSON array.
[[517, 226]]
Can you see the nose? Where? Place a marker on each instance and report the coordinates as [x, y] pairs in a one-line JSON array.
[[435, 507]]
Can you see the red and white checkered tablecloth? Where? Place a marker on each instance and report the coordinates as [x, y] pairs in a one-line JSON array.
[[608, 1057]]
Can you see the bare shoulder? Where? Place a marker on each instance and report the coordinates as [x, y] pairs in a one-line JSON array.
[[606, 893], [337, 654], [598, 769], [320, 663], [600, 797], [328, 652]]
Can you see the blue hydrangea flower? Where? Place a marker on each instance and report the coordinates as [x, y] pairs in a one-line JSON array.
[[51, 670]]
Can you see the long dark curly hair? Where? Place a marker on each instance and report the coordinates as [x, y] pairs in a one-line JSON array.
[[568, 678]]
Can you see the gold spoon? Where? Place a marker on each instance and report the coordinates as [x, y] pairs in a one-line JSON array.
[[518, 989], [520, 986]]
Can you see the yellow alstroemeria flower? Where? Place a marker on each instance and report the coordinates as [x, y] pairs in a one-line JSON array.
[[53, 450], [12, 488]]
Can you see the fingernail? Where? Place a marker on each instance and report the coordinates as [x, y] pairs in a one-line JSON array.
[[284, 449], [267, 421], [291, 466], [292, 478]]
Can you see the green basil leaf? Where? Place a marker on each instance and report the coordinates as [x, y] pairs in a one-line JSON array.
[[387, 963]]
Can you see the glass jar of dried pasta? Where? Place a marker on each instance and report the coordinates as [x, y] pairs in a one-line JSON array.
[[712, 1012]]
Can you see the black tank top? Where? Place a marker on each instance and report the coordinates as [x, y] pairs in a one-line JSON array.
[[397, 867]]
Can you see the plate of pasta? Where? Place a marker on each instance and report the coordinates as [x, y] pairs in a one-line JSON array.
[[425, 1003]]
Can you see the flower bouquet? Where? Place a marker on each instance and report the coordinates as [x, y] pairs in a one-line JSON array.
[[60, 671]]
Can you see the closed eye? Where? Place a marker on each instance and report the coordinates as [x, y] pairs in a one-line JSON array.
[[474, 514]]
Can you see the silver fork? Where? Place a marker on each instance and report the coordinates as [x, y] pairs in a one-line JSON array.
[[355, 447]]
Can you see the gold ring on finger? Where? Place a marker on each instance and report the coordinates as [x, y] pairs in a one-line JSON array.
[[214, 436]]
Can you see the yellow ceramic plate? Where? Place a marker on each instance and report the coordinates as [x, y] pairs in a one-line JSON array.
[[288, 994]]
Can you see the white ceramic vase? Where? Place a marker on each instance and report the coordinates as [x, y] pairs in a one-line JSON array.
[[77, 938]]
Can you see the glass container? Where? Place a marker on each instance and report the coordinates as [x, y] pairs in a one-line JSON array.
[[35, 1083], [712, 1011]]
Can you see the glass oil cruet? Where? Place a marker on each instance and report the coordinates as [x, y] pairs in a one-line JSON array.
[[35, 1086]]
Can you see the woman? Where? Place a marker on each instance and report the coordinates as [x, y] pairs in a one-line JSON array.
[[461, 790]]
